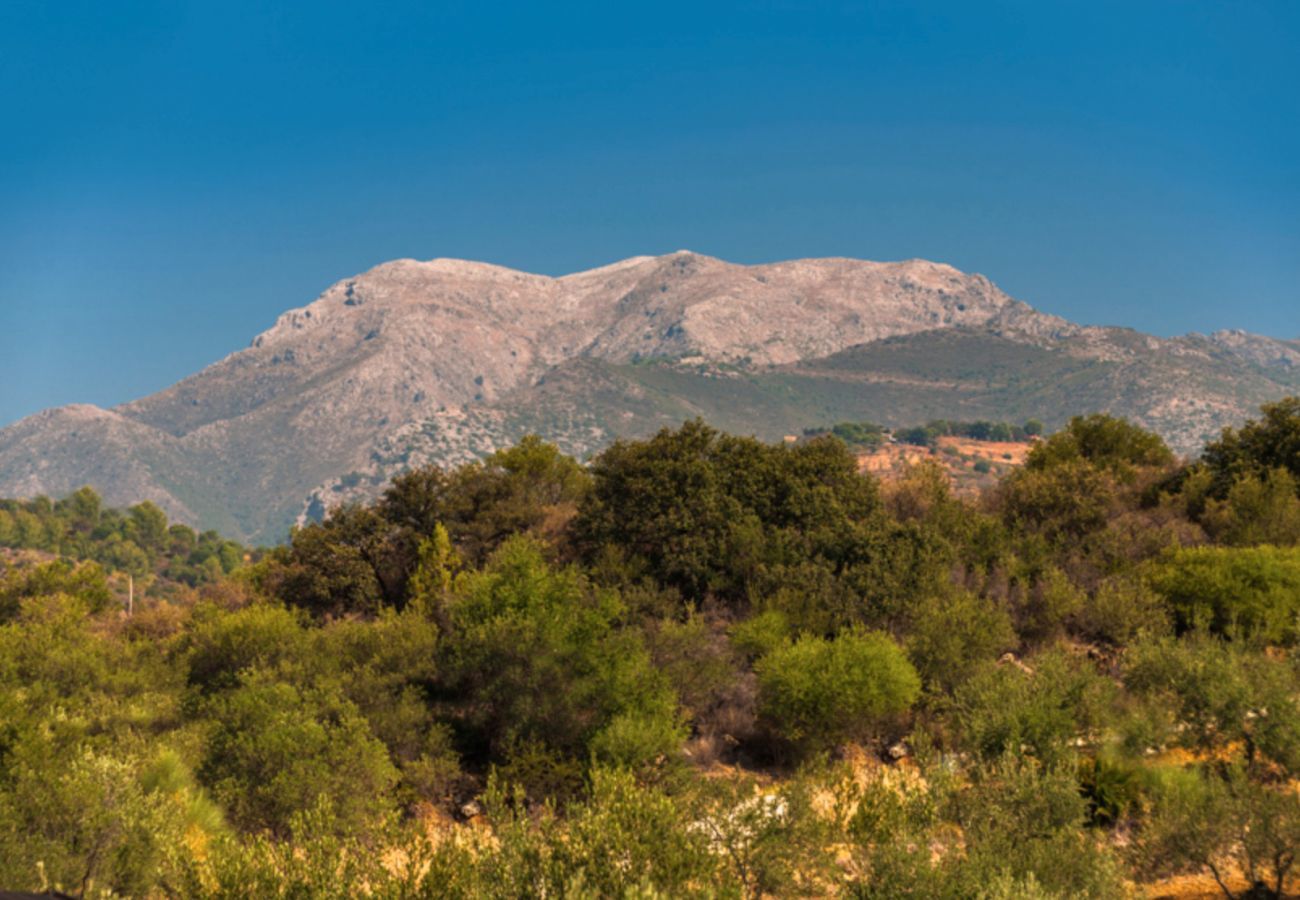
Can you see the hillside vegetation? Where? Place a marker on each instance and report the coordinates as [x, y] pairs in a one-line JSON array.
[[702, 665]]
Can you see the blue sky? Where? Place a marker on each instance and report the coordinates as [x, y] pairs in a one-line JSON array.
[[173, 175]]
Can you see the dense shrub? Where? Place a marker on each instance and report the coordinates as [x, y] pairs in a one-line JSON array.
[[1104, 442], [953, 634], [614, 668], [534, 653], [1214, 696], [275, 749], [1256, 510], [815, 691], [1034, 710], [1247, 591], [1257, 448]]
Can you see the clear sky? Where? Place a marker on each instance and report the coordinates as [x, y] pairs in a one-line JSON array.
[[173, 175]]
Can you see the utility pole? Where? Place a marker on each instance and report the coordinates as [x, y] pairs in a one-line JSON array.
[[130, 594]]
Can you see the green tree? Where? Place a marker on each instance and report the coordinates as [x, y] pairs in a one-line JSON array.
[[1216, 697], [1035, 710], [86, 581], [329, 569], [705, 513], [220, 647], [536, 654], [1258, 447], [82, 507], [1108, 443], [1202, 820], [529, 488], [1024, 819], [148, 527], [1256, 510], [85, 822]]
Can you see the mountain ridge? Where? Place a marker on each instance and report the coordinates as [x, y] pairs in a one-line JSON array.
[[444, 360]]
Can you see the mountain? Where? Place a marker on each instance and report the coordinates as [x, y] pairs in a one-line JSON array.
[[446, 360]]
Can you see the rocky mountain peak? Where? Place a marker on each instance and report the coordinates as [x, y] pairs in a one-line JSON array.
[[444, 359]]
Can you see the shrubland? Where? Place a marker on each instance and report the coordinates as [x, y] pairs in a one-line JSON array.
[[700, 665]]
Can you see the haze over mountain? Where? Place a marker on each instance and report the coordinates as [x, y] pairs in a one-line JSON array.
[[446, 360]]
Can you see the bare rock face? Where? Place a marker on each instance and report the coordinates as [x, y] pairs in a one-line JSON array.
[[445, 360]]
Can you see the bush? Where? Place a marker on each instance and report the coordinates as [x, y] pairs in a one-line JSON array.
[[761, 634], [1218, 697], [628, 839], [1064, 502], [220, 646], [329, 568], [702, 512], [699, 662], [85, 822], [952, 634], [86, 581], [275, 750], [1024, 820], [817, 691], [1243, 591], [387, 668], [1204, 821], [639, 741], [1123, 609], [1257, 510], [1259, 446], [534, 653], [1039, 711]]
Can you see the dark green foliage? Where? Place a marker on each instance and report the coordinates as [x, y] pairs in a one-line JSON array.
[[706, 513], [859, 434], [535, 654], [275, 749], [1107, 443], [1064, 502], [592, 663], [1256, 510], [328, 571], [927, 435], [1112, 787], [528, 488], [1257, 448], [362, 558]]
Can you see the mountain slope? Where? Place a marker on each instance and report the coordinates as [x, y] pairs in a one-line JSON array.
[[445, 360]]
